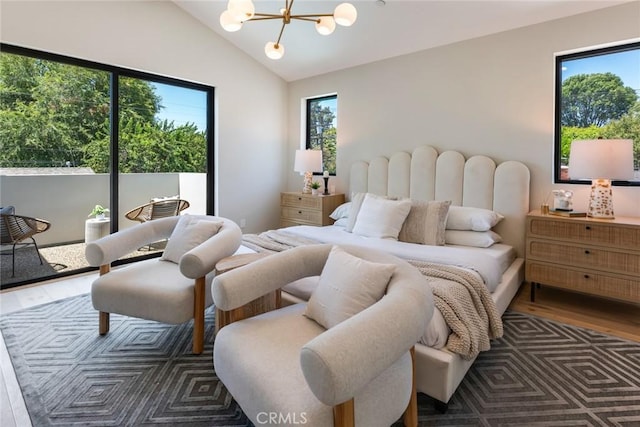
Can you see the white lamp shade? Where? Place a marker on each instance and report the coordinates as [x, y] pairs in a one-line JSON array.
[[345, 14], [325, 25], [228, 22], [601, 158], [308, 161], [272, 51]]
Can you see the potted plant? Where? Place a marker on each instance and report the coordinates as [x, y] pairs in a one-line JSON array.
[[315, 188], [98, 212]]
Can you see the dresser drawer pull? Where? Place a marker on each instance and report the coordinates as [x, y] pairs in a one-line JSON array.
[[586, 252], [300, 212], [299, 198], [588, 227], [586, 276]]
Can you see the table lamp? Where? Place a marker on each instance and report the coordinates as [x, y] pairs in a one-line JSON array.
[[307, 162], [601, 160]]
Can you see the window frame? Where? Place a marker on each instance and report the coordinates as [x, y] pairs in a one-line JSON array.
[[307, 135], [557, 132]]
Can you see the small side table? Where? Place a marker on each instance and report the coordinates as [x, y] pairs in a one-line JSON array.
[[260, 305], [95, 229]]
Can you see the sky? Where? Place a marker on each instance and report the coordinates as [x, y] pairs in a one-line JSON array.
[[182, 105], [625, 65]]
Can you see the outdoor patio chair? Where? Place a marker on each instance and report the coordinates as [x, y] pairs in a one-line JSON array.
[[157, 208], [15, 229]]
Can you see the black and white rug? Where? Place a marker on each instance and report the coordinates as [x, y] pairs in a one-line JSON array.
[[143, 374]]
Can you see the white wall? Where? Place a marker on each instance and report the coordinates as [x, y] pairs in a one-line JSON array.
[[159, 37], [492, 95]]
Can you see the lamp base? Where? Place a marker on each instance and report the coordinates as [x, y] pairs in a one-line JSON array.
[[601, 200], [308, 178]]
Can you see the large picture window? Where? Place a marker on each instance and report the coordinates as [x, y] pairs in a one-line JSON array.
[[597, 97], [322, 118]]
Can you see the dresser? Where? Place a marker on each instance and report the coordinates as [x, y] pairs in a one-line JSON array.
[[306, 209], [591, 256]]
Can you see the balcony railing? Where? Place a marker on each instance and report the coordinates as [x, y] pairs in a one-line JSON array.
[[65, 200]]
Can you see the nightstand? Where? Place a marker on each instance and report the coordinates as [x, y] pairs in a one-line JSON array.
[[307, 209], [587, 255]]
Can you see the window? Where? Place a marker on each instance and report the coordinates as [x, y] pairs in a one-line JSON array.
[[76, 133], [322, 115], [597, 96]]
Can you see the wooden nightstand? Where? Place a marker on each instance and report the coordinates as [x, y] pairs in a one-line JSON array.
[[591, 256], [306, 209]]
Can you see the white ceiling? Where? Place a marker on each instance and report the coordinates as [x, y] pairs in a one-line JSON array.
[[381, 31]]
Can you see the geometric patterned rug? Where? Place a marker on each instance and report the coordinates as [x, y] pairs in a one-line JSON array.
[[143, 373]]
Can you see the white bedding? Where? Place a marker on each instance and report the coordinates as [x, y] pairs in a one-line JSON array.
[[489, 263]]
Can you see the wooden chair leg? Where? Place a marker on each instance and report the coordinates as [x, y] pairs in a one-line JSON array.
[[410, 417], [103, 323], [198, 316], [344, 414]]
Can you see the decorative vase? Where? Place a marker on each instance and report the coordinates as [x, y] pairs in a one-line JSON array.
[[315, 191], [100, 217]]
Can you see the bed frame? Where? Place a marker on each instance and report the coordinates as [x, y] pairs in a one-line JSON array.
[[477, 181]]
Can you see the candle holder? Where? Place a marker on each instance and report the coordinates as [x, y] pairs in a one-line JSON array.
[[326, 185]]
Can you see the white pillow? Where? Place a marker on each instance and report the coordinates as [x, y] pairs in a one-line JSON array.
[[188, 233], [468, 218], [347, 286], [356, 203], [478, 239], [425, 224], [341, 211], [342, 222], [380, 217]]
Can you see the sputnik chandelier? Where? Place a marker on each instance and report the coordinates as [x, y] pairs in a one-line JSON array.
[[241, 11]]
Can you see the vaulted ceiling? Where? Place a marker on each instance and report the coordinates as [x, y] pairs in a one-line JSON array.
[[383, 29]]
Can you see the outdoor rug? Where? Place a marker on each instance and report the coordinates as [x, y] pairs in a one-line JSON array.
[[143, 374]]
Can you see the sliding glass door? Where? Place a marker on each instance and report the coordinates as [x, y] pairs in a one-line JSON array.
[[78, 134]]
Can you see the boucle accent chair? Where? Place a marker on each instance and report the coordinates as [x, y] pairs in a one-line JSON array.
[[157, 289], [282, 367]]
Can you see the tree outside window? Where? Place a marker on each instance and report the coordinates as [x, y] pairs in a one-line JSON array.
[[322, 116]]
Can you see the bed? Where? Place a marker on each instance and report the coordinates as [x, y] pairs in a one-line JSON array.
[[477, 182]]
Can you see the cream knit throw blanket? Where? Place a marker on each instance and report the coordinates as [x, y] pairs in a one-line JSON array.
[[466, 305]]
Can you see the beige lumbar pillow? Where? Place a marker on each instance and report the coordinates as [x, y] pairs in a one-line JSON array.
[[347, 286], [425, 224], [189, 233]]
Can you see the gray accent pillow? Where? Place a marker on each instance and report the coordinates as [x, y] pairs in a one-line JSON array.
[[425, 224]]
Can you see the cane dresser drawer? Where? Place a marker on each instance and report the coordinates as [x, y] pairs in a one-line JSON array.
[[597, 257], [307, 209], [586, 281]]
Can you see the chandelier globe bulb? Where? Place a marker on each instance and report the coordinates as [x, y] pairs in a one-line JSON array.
[[241, 10], [325, 25], [273, 50], [229, 22], [345, 14]]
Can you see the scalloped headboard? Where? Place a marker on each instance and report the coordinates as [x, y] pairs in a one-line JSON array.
[[477, 181]]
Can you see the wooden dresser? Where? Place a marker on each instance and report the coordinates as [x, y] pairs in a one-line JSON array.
[[591, 256], [306, 209]]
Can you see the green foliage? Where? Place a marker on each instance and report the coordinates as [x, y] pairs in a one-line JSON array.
[[595, 99], [54, 114], [322, 134], [315, 185], [98, 210], [627, 127]]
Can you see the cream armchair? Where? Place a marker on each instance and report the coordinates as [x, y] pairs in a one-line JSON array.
[[157, 289], [282, 367]]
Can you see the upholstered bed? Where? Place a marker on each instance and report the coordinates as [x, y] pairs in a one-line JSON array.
[[476, 182]]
